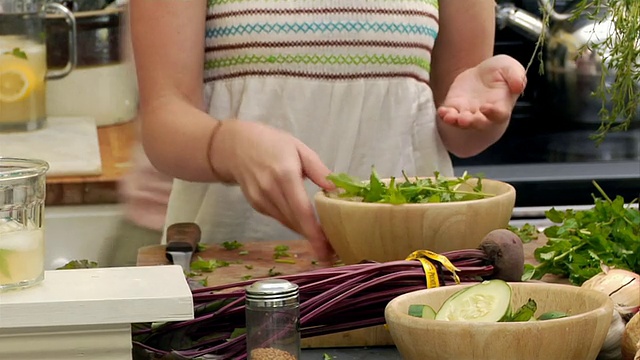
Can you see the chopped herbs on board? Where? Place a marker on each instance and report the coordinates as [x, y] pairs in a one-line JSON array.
[[435, 189], [608, 233]]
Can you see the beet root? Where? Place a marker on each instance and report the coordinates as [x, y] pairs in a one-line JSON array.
[[506, 253]]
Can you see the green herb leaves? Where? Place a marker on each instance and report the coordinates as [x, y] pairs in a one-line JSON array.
[[608, 233], [17, 53], [418, 190], [79, 264]]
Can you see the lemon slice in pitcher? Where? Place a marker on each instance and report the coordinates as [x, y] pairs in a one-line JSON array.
[[17, 80]]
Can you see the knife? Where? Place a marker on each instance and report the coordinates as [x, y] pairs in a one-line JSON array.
[[182, 242]]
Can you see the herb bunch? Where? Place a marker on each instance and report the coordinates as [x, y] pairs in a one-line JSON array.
[[608, 233], [620, 54], [409, 191]]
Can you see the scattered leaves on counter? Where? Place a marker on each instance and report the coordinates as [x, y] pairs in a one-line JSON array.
[[248, 267], [281, 251], [204, 282], [201, 247], [243, 252], [231, 245], [207, 265], [246, 277], [314, 262], [79, 264], [426, 190], [526, 233], [338, 263], [273, 272], [326, 356], [608, 233]]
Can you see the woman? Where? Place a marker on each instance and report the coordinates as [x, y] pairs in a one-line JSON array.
[[303, 88]]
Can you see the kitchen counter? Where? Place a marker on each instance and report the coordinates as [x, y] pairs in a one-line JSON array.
[[115, 142]]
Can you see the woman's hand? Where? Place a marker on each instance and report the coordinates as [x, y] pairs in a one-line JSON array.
[[484, 95], [270, 166]]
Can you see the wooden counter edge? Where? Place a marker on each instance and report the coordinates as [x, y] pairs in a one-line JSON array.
[[116, 142]]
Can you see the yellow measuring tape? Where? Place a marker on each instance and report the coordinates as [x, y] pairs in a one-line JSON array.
[[430, 270]]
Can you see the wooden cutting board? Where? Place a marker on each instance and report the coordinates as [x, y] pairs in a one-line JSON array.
[[260, 258]]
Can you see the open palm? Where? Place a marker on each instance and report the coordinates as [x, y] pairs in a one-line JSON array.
[[484, 94]]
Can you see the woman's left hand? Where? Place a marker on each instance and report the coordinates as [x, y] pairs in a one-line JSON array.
[[484, 95]]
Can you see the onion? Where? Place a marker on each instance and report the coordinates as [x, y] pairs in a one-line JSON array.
[[622, 286]]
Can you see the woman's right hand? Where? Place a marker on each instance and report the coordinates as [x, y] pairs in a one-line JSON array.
[[270, 166]]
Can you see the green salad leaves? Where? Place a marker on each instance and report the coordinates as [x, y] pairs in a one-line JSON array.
[[406, 191]]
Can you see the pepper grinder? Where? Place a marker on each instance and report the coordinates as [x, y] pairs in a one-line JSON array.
[[272, 320]]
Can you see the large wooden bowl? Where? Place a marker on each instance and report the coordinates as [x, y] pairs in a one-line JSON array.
[[385, 232], [579, 336]]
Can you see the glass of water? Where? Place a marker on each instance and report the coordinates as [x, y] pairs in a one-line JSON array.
[[22, 197]]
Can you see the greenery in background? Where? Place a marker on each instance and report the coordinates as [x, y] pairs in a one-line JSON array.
[[419, 190], [79, 264], [620, 54], [608, 233]]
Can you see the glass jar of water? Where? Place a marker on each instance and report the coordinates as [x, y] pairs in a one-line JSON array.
[[22, 197], [23, 62]]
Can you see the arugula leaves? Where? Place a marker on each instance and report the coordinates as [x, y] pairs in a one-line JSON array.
[[419, 190], [608, 233]]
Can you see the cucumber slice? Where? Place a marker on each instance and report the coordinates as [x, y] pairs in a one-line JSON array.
[[422, 311], [488, 301]]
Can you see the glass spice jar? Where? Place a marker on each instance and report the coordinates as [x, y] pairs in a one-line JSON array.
[[273, 320]]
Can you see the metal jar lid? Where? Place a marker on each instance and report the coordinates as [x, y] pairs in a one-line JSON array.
[[272, 293]]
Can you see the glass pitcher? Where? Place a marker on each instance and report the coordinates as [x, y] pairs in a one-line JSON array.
[[22, 197], [23, 62]]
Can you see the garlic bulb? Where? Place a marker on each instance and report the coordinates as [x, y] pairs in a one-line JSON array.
[[623, 287], [631, 339], [611, 348]]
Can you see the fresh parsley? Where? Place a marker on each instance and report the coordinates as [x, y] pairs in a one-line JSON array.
[[608, 233]]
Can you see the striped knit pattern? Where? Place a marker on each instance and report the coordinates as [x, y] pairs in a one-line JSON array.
[[330, 40]]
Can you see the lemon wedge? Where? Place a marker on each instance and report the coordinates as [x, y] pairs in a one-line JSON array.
[[17, 80]]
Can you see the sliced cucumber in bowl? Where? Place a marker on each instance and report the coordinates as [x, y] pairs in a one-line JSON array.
[[488, 301]]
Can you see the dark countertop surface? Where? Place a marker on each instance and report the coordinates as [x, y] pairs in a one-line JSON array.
[[374, 353]]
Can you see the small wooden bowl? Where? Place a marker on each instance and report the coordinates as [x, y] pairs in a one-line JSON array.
[[579, 336], [385, 232]]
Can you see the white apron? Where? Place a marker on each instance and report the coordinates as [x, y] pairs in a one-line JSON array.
[[351, 82]]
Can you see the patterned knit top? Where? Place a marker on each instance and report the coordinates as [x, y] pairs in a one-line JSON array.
[[320, 39], [349, 78]]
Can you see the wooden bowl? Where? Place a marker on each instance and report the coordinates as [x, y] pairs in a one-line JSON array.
[[385, 232], [579, 336]]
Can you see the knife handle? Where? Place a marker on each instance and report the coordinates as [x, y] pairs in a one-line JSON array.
[[183, 237]]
